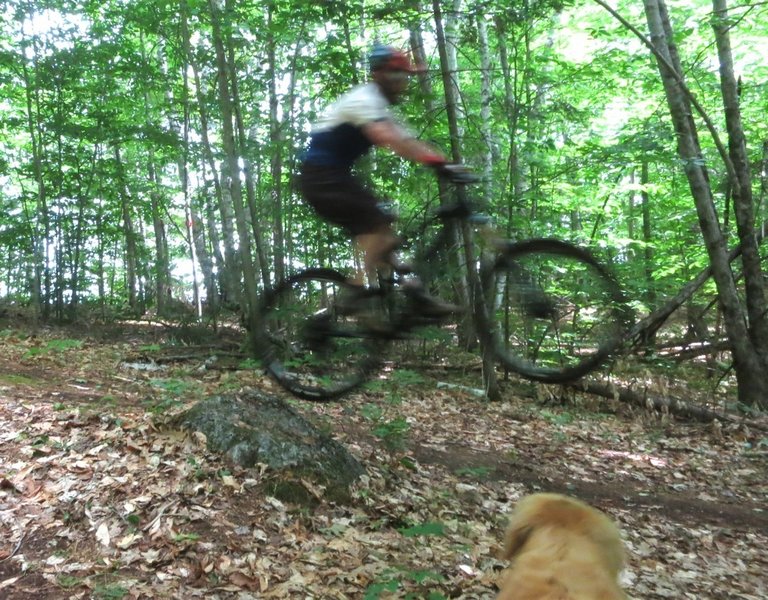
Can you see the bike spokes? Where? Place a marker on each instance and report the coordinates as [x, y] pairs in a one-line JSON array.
[[314, 350], [557, 313]]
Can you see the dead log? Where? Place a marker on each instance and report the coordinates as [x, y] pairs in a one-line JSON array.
[[673, 406]]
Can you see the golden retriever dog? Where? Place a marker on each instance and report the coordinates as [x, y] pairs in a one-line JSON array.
[[561, 549]]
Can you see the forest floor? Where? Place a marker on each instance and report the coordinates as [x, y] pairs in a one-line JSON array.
[[100, 499]]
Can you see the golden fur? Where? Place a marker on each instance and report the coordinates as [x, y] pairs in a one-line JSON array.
[[561, 549]]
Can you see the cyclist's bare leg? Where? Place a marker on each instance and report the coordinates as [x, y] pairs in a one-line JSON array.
[[376, 247]]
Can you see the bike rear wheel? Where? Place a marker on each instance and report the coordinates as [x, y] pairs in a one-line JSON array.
[[557, 313], [308, 344]]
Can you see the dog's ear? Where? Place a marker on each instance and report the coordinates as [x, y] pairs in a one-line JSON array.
[[515, 539]]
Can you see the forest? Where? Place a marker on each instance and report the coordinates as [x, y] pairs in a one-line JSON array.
[[149, 151]]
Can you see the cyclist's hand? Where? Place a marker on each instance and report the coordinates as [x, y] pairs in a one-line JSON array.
[[457, 173]]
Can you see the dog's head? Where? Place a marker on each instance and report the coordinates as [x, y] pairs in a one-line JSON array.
[[572, 515]]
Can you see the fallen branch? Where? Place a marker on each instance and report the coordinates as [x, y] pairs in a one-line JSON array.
[[688, 352], [648, 326], [674, 406], [16, 549]]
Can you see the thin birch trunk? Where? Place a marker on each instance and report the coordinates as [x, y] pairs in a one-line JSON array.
[[751, 372], [477, 300], [232, 161], [741, 183]]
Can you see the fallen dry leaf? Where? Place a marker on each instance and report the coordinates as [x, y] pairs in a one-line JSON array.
[[108, 489]]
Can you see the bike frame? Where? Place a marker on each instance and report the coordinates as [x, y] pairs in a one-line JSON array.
[[450, 220]]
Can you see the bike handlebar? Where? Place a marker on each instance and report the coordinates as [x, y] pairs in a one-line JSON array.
[[457, 174]]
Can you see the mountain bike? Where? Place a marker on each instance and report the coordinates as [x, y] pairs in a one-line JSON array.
[[552, 311]]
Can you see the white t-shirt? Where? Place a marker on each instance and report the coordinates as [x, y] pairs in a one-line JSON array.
[[337, 139]]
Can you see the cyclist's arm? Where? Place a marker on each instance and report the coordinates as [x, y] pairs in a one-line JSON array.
[[387, 134]]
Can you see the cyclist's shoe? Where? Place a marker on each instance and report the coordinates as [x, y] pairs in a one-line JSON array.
[[429, 306]]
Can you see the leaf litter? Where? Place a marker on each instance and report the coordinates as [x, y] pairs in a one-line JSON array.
[[98, 499]]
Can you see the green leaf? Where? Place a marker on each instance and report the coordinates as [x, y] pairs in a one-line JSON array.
[[375, 590], [424, 529]]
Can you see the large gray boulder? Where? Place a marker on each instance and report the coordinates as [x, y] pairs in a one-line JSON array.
[[250, 428]]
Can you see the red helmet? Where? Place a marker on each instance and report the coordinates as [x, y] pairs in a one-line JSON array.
[[391, 59]]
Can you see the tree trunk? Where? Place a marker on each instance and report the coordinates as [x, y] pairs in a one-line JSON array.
[[162, 274], [248, 303], [447, 42], [650, 292], [474, 287], [515, 175], [39, 227], [741, 183], [83, 196], [162, 262], [183, 160], [486, 92], [229, 278], [276, 162], [751, 372], [250, 190], [763, 199], [129, 231], [648, 268]]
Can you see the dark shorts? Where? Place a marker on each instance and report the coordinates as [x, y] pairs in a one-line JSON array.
[[341, 199]]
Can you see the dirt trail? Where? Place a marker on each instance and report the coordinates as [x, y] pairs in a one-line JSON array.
[[98, 500]]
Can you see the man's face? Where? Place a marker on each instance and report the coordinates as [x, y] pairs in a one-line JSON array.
[[392, 82]]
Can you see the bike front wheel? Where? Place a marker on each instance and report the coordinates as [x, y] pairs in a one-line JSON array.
[[556, 312], [308, 344]]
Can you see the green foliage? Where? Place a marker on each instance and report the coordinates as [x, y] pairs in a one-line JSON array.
[[392, 432], [249, 364], [405, 378], [392, 581], [174, 392], [13, 378], [559, 418], [185, 537], [150, 348], [109, 592], [375, 590], [54, 346], [424, 529], [69, 581], [474, 472], [174, 387]]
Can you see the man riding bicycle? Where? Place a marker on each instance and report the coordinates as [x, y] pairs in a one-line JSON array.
[[346, 131]]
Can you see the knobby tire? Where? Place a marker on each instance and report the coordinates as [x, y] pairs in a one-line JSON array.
[[305, 343], [556, 312]]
